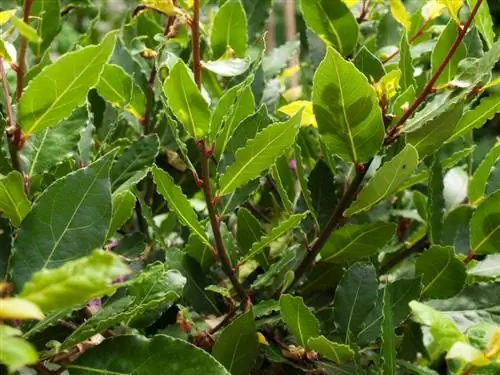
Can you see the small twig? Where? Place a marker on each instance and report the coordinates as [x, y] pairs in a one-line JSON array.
[[195, 29], [470, 257], [417, 247], [364, 11], [395, 131], [21, 56]]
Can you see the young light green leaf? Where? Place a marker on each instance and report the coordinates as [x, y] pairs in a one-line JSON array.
[[333, 22], [237, 347], [477, 117], [369, 64], [259, 154], [386, 180], [483, 21], [178, 203], [118, 88], [443, 274], [479, 180], [436, 204], [133, 354], [334, 351], [14, 204], [230, 29], [52, 232], [346, 109], [388, 335], [406, 64], [469, 354], [400, 14], [485, 226], [278, 231], [444, 332], [299, 319], [186, 101], [76, 282], [227, 67], [441, 49], [61, 87], [26, 30], [15, 352], [123, 206], [354, 242], [433, 134], [47, 12], [355, 297]]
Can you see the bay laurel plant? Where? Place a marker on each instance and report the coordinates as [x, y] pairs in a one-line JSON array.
[[184, 191]]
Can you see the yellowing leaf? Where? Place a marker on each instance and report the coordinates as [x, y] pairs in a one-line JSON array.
[[400, 13], [468, 353], [6, 15], [350, 3], [308, 118], [262, 339], [432, 10], [388, 85], [494, 345], [453, 8], [19, 309], [165, 6]]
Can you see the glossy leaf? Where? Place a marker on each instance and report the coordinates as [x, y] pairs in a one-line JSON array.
[[333, 22], [47, 239], [138, 355], [118, 88], [74, 283], [369, 64], [453, 7], [186, 101], [339, 353], [479, 180], [443, 274], [401, 15], [354, 298], [227, 67], [292, 108], [388, 334], [19, 309], [299, 319], [63, 86], [485, 226], [354, 242], [346, 109], [489, 267], [14, 204], [258, 154], [386, 180], [178, 203], [468, 354], [237, 347], [229, 29]]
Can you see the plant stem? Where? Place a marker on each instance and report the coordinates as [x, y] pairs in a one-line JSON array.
[[334, 222], [21, 57], [417, 247], [395, 131], [205, 155], [470, 257]]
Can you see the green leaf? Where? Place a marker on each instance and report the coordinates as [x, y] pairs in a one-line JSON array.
[[132, 166], [477, 117], [237, 347], [485, 226], [138, 355], [324, 276], [249, 231], [400, 14], [388, 335], [76, 282], [386, 180], [369, 64], [354, 242], [444, 332], [406, 64], [44, 150], [415, 369], [123, 206], [299, 320], [186, 101], [339, 353], [53, 233], [468, 354], [14, 204], [118, 88], [443, 274], [26, 30], [277, 59], [49, 23], [433, 134], [233, 107], [278, 231], [483, 22], [61, 87], [15, 352], [178, 203], [441, 49], [333, 22], [259, 154], [435, 207], [489, 267], [229, 29], [354, 298], [257, 14], [479, 180], [304, 188], [199, 251], [346, 109]]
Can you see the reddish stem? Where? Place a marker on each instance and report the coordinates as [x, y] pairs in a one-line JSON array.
[[21, 57]]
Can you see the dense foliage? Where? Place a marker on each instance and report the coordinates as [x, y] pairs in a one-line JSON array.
[[179, 196]]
